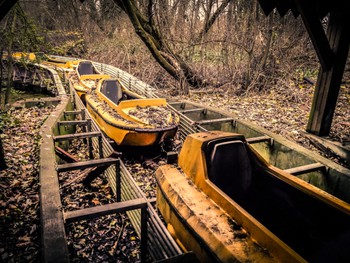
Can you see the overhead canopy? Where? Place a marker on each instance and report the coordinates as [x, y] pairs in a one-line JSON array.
[[332, 49], [5, 6]]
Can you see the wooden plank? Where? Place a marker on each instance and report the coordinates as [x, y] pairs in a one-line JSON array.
[[330, 147], [92, 175], [152, 200], [76, 136], [67, 157], [86, 164], [264, 138], [328, 82], [76, 122], [144, 233], [5, 7], [305, 169], [227, 119], [317, 35], [192, 110], [102, 210], [74, 113]]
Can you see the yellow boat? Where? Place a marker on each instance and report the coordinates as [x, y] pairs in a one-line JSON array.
[[128, 118], [226, 204], [65, 65]]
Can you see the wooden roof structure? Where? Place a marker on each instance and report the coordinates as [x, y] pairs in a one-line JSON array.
[[5, 7], [332, 49]]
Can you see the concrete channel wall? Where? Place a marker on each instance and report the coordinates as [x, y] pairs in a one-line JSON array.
[[53, 238]]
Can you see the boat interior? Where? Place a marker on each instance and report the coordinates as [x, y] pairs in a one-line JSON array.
[[86, 68], [311, 227], [115, 92], [112, 90]]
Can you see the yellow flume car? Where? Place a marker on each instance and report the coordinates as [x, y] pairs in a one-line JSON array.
[[128, 118], [85, 77], [226, 204]]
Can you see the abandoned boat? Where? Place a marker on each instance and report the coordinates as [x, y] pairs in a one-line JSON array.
[[85, 77], [128, 118], [227, 204]]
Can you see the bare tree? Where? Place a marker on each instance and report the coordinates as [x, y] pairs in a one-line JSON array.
[[148, 32]]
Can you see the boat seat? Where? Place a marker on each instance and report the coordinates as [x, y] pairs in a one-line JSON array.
[[308, 225], [112, 90], [86, 68], [229, 167]]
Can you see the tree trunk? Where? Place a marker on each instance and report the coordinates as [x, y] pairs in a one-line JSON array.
[[162, 53], [210, 20], [3, 164], [268, 42], [1, 75], [9, 56], [155, 43]]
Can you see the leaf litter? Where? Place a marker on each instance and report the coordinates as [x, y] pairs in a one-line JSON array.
[[281, 110], [109, 238], [19, 196]]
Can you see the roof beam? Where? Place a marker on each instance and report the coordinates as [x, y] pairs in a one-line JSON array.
[[328, 82], [5, 7], [316, 32]]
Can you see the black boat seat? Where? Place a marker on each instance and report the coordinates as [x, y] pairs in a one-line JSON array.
[[86, 68], [229, 168], [112, 90]]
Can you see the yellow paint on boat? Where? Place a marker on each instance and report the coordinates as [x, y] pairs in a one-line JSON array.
[[24, 55], [202, 216], [116, 120]]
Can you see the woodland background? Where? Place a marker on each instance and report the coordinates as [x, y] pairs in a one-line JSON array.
[[222, 53], [181, 44]]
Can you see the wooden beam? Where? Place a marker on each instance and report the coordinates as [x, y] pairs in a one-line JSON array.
[[65, 156], [76, 122], [102, 210], [316, 32], [86, 164], [227, 119], [93, 174], [328, 82], [305, 169], [192, 110], [5, 7], [72, 136], [264, 138]]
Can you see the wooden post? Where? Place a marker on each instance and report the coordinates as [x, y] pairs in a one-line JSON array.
[[117, 181], [144, 234], [328, 82], [89, 128], [100, 148]]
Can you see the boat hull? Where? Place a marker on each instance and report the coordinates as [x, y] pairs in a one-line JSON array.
[[199, 225], [130, 135], [279, 211]]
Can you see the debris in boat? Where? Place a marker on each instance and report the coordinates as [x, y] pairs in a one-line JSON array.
[[157, 116], [91, 83], [106, 108]]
